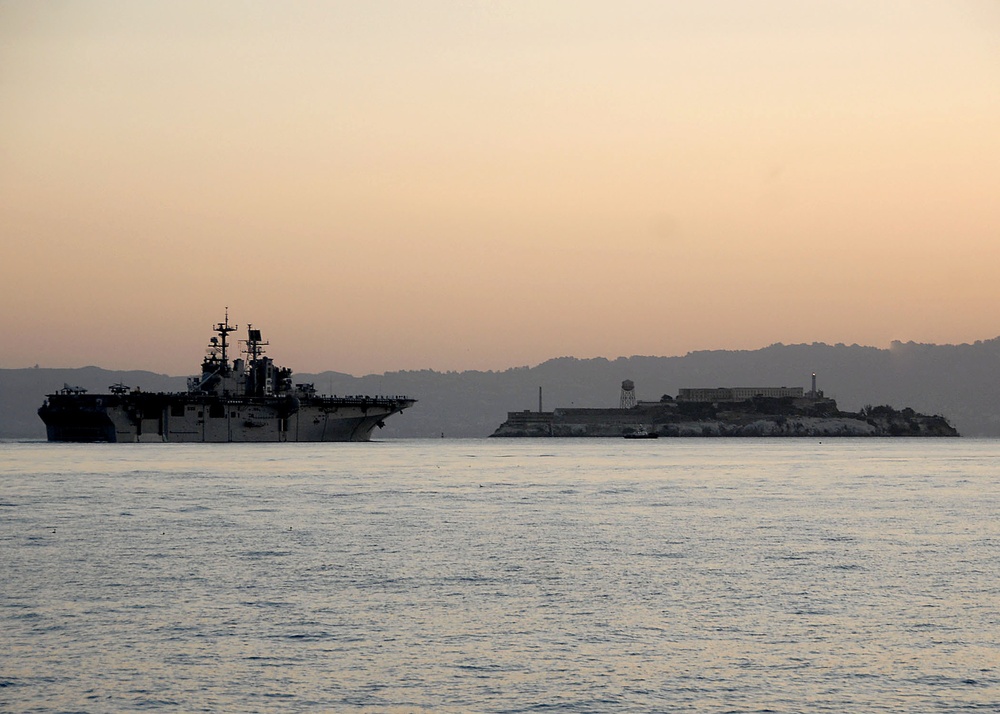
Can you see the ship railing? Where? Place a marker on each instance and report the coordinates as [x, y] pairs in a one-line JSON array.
[[369, 399]]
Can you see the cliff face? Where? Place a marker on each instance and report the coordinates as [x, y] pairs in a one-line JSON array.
[[759, 417], [906, 422]]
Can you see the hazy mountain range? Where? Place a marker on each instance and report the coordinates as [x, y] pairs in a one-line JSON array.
[[957, 381]]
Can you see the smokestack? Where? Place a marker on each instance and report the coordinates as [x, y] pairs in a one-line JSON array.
[[814, 384]]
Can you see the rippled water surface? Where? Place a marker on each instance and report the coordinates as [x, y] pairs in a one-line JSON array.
[[502, 576]]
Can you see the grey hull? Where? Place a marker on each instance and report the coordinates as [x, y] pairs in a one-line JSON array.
[[171, 418]]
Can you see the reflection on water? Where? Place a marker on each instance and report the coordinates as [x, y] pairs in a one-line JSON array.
[[597, 575]]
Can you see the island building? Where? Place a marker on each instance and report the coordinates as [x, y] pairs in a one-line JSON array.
[[743, 394], [737, 394], [719, 411]]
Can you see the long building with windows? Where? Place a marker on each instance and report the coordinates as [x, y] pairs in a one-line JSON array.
[[737, 394]]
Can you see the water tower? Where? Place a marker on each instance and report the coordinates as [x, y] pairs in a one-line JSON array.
[[628, 394]]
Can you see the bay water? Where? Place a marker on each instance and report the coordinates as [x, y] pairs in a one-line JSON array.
[[517, 575]]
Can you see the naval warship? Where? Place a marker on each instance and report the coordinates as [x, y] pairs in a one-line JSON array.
[[243, 400]]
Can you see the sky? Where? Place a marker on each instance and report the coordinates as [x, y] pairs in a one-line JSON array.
[[475, 184]]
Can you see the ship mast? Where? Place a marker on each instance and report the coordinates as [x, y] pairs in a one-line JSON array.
[[260, 376], [255, 345], [223, 329]]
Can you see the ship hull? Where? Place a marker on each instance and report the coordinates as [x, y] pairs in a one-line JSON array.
[[174, 418]]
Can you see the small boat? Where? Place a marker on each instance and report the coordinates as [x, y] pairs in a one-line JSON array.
[[641, 434]]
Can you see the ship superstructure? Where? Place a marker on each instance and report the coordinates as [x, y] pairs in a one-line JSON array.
[[243, 400]]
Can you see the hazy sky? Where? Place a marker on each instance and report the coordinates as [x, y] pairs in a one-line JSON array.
[[480, 185]]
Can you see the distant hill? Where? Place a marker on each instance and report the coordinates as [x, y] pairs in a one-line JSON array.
[[957, 381]]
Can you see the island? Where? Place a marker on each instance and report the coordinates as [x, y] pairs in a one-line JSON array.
[[725, 411]]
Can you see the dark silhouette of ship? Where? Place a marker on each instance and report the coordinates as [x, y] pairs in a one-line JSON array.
[[245, 400]]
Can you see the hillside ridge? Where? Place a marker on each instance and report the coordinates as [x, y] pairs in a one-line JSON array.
[[956, 381]]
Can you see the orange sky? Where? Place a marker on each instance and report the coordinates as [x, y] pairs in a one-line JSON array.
[[479, 185]]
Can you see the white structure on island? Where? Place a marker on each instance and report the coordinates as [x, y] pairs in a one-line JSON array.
[[628, 395]]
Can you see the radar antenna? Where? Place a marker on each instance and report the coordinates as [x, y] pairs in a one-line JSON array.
[[255, 345]]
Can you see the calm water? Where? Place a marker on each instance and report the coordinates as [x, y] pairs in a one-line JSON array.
[[502, 576]]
